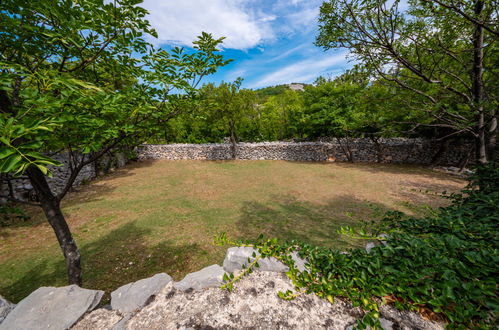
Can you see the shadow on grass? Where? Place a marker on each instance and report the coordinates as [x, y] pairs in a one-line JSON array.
[[397, 168], [415, 170], [120, 257], [84, 193], [290, 219]]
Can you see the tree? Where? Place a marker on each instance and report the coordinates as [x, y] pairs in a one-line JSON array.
[[231, 106], [78, 77], [443, 52], [281, 116]]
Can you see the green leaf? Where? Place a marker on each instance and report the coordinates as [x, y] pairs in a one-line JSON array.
[[9, 164], [5, 152]]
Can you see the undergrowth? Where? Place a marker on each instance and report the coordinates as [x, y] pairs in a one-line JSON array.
[[444, 265]]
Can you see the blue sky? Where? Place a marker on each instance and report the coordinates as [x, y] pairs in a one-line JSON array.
[[270, 41]]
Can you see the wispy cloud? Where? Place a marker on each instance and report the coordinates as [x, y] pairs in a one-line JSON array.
[[302, 71]]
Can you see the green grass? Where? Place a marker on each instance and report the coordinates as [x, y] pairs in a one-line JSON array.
[[161, 216]]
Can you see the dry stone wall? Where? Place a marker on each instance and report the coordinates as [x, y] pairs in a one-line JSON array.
[[393, 150]]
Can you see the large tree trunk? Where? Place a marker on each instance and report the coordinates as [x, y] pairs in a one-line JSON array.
[[52, 210], [478, 87]]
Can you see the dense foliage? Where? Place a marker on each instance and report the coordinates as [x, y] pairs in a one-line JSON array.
[[446, 263], [350, 105], [81, 77], [442, 54]]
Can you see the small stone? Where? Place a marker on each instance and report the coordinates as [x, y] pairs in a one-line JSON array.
[[299, 262], [385, 325], [52, 308], [208, 277], [236, 257], [133, 296], [369, 247], [5, 308]]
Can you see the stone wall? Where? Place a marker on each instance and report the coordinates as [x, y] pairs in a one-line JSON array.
[[393, 150], [23, 190]]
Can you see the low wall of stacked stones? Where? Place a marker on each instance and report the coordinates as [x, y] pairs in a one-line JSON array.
[[394, 150]]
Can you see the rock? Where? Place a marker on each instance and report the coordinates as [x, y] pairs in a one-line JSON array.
[[369, 247], [5, 308], [52, 308], [133, 296], [99, 319], [236, 257], [385, 236], [121, 325], [253, 304], [208, 277], [385, 325], [299, 262], [406, 320]]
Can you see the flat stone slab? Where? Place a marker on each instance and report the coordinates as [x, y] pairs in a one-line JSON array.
[[133, 296], [236, 257], [5, 308], [52, 308], [208, 277]]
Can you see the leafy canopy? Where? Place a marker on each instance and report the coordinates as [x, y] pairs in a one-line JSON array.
[[81, 76]]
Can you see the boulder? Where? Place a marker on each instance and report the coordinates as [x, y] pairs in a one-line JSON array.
[[236, 257], [5, 308], [208, 277], [133, 296], [52, 308]]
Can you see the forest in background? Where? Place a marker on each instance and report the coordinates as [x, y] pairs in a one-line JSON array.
[[350, 105]]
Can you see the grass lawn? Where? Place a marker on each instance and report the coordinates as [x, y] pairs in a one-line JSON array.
[[161, 216]]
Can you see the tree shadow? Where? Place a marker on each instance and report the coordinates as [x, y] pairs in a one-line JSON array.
[[90, 191], [108, 262], [414, 170], [290, 219]]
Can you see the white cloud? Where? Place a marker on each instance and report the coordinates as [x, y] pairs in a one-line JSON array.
[[302, 71], [268, 18], [289, 52], [181, 21]]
